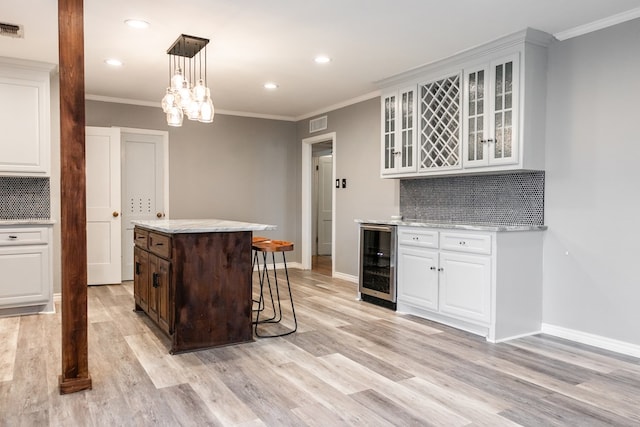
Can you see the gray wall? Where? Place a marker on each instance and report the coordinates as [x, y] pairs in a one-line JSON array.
[[237, 168], [591, 283], [357, 157]]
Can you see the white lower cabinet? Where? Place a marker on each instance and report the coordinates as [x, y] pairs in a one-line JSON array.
[[466, 286], [418, 275], [488, 283], [25, 263]]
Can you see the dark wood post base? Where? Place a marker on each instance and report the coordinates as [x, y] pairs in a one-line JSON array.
[[72, 385]]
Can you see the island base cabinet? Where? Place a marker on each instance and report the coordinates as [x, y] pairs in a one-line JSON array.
[[197, 286], [159, 293], [141, 279]]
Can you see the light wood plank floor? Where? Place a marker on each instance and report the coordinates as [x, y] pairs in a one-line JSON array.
[[321, 264], [350, 363]]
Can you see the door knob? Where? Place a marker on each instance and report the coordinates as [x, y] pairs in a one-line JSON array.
[[115, 214], [159, 214]]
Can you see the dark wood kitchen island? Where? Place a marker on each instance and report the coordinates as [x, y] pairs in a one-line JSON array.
[[193, 279]]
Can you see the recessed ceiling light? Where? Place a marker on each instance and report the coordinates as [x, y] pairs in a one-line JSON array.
[[113, 62], [322, 59], [137, 23], [270, 85]]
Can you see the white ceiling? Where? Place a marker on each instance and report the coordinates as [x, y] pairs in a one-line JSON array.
[[254, 41]]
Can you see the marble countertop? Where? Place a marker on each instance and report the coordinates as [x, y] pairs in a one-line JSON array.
[[177, 226], [42, 221], [453, 225]]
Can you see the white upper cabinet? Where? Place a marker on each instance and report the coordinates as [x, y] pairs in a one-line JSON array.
[[491, 113], [25, 118], [473, 115], [398, 118]]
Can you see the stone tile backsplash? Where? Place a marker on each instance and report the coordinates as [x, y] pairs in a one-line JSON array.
[[24, 198], [505, 199]]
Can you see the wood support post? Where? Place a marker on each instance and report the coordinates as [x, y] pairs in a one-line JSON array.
[[73, 219]]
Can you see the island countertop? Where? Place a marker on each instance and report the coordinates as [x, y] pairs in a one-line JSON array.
[[178, 226]]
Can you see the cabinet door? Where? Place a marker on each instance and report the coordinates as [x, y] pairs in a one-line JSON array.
[[440, 124], [407, 131], [475, 113], [504, 142], [418, 277], [388, 117], [141, 279], [25, 275], [164, 295], [465, 286], [154, 284], [24, 119]]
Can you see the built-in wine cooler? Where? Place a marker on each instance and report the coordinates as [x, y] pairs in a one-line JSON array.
[[378, 264]]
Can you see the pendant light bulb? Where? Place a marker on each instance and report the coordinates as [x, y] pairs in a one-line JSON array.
[[177, 80]]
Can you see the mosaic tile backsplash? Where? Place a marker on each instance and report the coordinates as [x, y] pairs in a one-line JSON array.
[[509, 199], [24, 198]]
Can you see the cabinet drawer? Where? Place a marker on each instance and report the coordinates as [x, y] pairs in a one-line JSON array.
[[160, 245], [418, 237], [463, 242], [141, 238], [18, 237]]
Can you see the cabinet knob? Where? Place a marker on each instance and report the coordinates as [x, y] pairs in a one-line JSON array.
[[432, 268], [116, 214], [441, 269], [159, 214]]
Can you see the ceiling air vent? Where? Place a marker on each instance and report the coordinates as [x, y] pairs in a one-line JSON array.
[[11, 30], [318, 124]]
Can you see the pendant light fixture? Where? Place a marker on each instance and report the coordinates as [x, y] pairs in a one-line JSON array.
[[188, 93]]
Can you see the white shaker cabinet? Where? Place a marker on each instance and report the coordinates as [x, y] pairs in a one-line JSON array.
[[466, 286], [417, 267], [479, 111], [398, 116], [25, 263], [25, 118], [484, 282]]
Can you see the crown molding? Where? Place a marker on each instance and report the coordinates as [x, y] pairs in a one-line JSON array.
[[365, 97], [598, 25], [157, 105]]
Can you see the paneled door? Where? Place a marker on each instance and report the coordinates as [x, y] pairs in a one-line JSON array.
[[143, 189], [325, 195], [103, 205]]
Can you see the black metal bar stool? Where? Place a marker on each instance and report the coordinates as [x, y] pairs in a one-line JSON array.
[[266, 247], [256, 263]]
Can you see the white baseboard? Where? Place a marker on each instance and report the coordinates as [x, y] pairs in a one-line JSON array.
[[57, 297], [591, 339], [347, 277]]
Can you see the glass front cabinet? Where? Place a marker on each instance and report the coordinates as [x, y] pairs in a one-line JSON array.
[[491, 113], [468, 113], [399, 131]]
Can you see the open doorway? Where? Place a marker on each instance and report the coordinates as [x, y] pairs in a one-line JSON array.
[[310, 193], [322, 207]]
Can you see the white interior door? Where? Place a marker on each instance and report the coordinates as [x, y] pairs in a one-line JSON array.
[[325, 193], [103, 205], [143, 186]]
